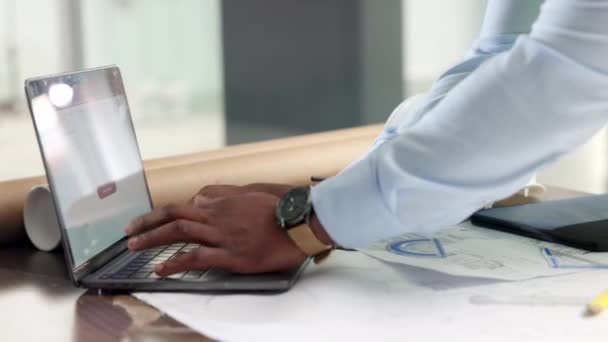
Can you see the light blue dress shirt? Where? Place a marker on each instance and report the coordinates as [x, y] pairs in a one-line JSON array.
[[524, 96]]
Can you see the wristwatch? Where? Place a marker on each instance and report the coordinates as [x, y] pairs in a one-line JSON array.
[[293, 214]]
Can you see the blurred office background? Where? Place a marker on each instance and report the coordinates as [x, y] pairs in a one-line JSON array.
[[202, 74]]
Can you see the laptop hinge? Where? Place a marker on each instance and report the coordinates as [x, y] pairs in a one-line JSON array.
[[100, 260]]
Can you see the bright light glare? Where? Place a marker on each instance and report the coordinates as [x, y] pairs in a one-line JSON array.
[[45, 113], [61, 94], [47, 122]]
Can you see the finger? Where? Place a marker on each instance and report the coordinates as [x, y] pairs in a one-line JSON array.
[[214, 191], [200, 201], [201, 258], [163, 215], [176, 231], [205, 196]]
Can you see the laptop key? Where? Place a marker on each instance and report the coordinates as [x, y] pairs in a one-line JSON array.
[[176, 255], [127, 271], [176, 276], [119, 276], [131, 267], [141, 259], [157, 250], [192, 275], [140, 275], [154, 276]]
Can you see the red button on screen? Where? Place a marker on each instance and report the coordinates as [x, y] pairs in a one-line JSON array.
[[106, 190]]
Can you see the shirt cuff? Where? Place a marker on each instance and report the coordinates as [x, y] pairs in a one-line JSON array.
[[351, 210]]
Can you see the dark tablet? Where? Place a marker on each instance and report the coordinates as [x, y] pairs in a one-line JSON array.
[[579, 222]]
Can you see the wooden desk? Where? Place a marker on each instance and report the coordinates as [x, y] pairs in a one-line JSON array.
[[37, 301]]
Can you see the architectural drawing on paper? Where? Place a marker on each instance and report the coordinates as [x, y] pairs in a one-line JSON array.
[[557, 259], [418, 248]]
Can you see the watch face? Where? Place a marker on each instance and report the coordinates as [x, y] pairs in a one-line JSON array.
[[294, 205]]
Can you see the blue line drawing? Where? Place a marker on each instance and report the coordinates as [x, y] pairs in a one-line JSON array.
[[408, 248], [555, 261], [550, 258]]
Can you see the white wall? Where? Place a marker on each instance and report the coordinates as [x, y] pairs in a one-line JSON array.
[[4, 43], [584, 169], [437, 33]]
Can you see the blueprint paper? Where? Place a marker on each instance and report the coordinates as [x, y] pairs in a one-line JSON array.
[[357, 298], [349, 294], [467, 250]]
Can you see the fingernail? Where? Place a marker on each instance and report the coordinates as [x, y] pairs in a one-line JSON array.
[[133, 242], [128, 229], [200, 200], [159, 268]]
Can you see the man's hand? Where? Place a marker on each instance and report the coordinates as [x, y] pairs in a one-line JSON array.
[[238, 233], [215, 191]]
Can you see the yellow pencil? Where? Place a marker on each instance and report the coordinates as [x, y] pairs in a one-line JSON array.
[[598, 304]]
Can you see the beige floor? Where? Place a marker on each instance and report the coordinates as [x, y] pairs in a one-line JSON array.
[[19, 155]]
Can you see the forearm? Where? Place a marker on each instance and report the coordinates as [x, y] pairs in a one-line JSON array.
[[504, 21], [519, 111], [576, 29]]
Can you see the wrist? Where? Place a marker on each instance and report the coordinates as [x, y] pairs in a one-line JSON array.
[[319, 231], [295, 214]]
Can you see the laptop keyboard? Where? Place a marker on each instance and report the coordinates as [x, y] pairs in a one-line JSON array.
[[142, 267]]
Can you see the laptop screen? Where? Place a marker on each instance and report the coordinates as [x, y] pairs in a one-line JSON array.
[[91, 157]]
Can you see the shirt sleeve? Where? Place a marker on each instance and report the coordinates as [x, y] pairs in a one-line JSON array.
[[516, 112], [503, 22]]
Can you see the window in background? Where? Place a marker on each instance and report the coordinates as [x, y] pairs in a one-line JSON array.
[[169, 53], [30, 34], [202, 73], [437, 34], [8, 45]]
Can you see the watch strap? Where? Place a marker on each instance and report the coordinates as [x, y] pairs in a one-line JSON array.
[[306, 240], [319, 258]]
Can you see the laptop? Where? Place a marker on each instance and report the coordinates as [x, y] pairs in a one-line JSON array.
[[96, 176]]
